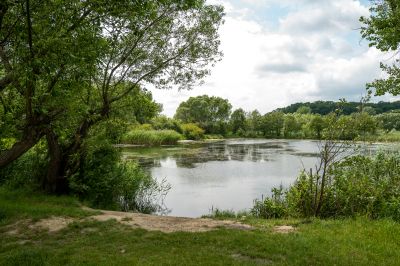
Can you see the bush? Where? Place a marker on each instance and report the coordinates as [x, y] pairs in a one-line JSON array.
[[151, 137], [192, 131], [105, 182], [163, 122], [273, 207], [356, 186]]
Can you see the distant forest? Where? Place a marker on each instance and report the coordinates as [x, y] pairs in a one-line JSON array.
[[326, 107]]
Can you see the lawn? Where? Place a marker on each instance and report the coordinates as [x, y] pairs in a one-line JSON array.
[[316, 242]]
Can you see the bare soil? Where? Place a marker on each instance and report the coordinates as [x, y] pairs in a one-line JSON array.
[[167, 224], [284, 229]]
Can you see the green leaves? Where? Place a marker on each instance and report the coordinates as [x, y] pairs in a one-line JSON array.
[[211, 113], [382, 30]]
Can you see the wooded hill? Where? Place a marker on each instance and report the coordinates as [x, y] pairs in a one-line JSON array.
[[326, 107]]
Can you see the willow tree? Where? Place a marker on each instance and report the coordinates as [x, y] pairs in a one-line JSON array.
[[382, 29], [81, 62]]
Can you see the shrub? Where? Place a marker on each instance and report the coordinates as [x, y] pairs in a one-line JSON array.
[[163, 122], [357, 185], [192, 131], [143, 127], [151, 137], [273, 207], [105, 182]]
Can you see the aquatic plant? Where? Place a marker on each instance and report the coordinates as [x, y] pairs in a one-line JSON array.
[[151, 137]]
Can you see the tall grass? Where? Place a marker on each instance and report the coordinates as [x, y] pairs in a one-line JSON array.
[[151, 137]]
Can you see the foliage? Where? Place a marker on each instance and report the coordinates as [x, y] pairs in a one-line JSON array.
[[213, 136], [304, 110], [238, 121], [270, 207], [210, 113], [382, 30], [359, 125], [192, 131], [317, 125], [151, 137], [291, 126], [326, 107], [364, 124], [272, 124], [389, 121], [27, 172], [216, 213], [105, 182], [254, 119], [111, 130], [67, 66], [162, 122], [356, 186]]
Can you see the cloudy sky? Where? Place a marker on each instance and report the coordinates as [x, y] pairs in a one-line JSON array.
[[278, 52]]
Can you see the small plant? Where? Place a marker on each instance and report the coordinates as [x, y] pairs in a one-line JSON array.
[[217, 213], [273, 207]]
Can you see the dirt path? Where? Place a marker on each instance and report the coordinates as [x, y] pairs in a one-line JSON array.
[[167, 224]]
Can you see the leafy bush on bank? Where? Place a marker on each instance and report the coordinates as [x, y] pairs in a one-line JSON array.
[[106, 182], [356, 186], [192, 131]]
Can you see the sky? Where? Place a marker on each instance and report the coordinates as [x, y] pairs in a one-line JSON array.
[[278, 52]]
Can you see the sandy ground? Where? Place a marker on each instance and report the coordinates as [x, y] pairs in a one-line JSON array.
[[284, 229], [166, 224]]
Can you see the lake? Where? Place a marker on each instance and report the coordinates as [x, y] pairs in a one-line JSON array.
[[227, 174]]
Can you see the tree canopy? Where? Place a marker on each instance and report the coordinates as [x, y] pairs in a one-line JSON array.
[[382, 30], [68, 65], [326, 107], [210, 112]]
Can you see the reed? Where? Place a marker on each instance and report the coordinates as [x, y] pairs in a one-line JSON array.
[[152, 137]]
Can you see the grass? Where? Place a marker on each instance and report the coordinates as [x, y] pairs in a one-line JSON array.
[[226, 214], [392, 136], [21, 204], [316, 242], [151, 137]]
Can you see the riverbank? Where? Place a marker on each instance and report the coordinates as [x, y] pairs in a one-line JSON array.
[[109, 242]]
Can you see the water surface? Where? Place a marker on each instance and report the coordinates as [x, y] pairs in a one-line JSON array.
[[227, 174]]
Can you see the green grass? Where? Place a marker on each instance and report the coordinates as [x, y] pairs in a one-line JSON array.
[[316, 242], [21, 204], [151, 137], [226, 214], [392, 136]]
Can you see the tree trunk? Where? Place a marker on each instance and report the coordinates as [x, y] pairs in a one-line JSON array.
[[56, 180], [62, 163]]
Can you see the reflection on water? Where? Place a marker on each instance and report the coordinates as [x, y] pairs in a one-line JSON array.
[[227, 175]]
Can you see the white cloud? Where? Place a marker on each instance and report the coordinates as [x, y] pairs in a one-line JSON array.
[[309, 56]]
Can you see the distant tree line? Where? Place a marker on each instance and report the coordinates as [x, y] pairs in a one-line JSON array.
[[204, 115], [326, 107]]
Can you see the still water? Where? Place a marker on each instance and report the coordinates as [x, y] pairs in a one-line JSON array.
[[227, 175]]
